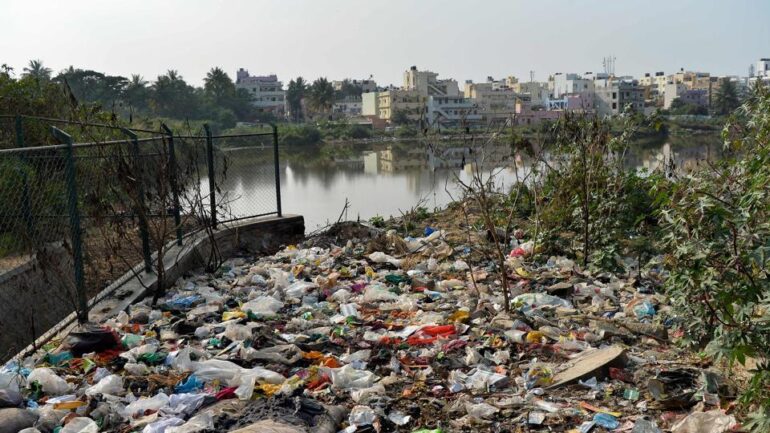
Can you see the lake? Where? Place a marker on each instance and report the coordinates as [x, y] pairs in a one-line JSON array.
[[386, 179]]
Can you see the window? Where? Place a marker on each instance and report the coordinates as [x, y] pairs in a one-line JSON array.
[[614, 96], [614, 105]]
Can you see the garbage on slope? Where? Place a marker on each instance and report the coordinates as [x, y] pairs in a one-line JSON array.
[[376, 334]]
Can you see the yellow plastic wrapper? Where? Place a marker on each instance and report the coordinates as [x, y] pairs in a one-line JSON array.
[[534, 337], [230, 315], [268, 388], [459, 316]]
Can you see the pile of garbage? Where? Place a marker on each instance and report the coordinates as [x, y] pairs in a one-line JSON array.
[[376, 335]]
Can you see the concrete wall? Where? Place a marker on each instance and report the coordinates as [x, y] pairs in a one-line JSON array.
[[34, 294]]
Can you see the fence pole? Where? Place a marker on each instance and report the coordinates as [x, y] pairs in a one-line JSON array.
[[277, 172], [74, 217], [26, 207], [140, 206], [212, 176], [173, 181]]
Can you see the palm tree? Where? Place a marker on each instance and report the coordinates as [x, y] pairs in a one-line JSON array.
[[294, 94], [136, 91], [321, 95], [37, 71], [218, 85], [726, 98]]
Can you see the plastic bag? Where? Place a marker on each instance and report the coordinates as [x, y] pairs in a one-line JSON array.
[[154, 403], [112, 385], [377, 293], [299, 289], [349, 378], [284, 354], [480, 410], [361, 416], [183, 404], [263, 305], [380, 257], [198, 423], [163, 425], [92, 339], [534, 301], [49, 381], [80, 425], [713, 421]]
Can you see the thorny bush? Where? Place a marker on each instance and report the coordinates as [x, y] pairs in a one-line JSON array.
[[717, 236]]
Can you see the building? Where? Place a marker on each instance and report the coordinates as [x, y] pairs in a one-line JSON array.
[[527, 115], [654, 86], [577, 102], [763, 68], [443, 110], [367, 86], [426, 83], [613, 95], [348, 106], [493, 101], [563, 84], [676, 91], [535, 92], [266, 91], [369, 104], [411, 102]]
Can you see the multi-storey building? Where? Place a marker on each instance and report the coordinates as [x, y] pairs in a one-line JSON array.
[[613, 95], [266, 91], [570, 83], [493, 100], [427, 83], [410, 102], [443, 110]]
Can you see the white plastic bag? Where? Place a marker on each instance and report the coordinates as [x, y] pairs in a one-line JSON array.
[[50, 382], [112, 385], [347, 377], [263, 305], [80, 425], [154, 403], [198, 423], [380, 257]]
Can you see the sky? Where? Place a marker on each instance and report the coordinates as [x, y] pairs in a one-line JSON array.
[[460, 39]]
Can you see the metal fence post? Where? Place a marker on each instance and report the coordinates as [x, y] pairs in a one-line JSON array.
[[173, 181], [277, 172], [140, 206], [74, 217], [26, 207], [212, 176]]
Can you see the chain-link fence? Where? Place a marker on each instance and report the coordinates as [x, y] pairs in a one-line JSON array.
[[75, 217]]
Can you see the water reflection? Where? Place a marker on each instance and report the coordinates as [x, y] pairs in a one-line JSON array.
[[388, 180]]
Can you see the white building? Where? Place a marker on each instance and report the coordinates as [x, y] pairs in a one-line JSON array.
[[763, 68], [266, 91], [444, 110], [348, 107], [570, 83]]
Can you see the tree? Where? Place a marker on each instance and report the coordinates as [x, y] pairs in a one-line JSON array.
[[726, 98], [136, 92], [294, 94], [173, 97], [321, 95], [680, 107], [399, 117], [219, 86], [37, 71]]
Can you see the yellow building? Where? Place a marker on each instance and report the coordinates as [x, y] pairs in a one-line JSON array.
[[408, 101]]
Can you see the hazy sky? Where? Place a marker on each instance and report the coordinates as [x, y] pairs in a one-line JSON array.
[[357, 38]]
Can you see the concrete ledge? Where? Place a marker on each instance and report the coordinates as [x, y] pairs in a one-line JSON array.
[[254, 236]]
